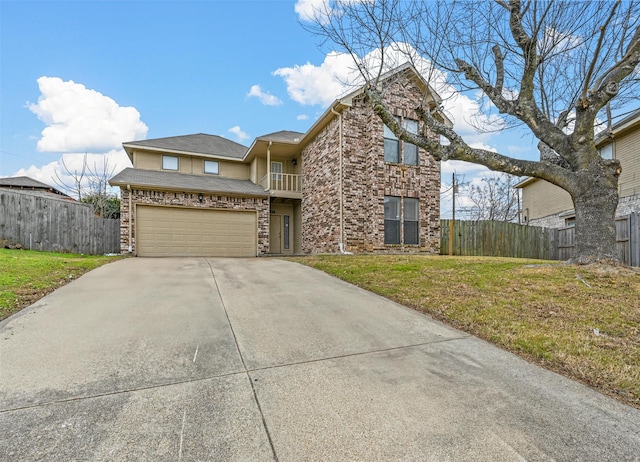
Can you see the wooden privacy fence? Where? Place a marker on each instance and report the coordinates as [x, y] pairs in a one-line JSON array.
[[56, 225], [497, 239], [627, 240], [502, 239]]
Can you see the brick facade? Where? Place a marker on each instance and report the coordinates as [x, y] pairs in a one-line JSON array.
[[367, 178], [180, 199]]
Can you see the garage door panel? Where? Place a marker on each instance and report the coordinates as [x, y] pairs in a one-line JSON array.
[[172, 231]]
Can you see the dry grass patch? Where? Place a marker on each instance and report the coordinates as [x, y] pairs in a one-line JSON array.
[[26, 276], [581, 321]]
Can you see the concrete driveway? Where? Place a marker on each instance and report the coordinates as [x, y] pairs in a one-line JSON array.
[[265, 360]]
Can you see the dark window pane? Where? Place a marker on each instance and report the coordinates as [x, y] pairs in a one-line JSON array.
[[410, 154], [286, 232], [411, 232], [391, 150], [392, 231]]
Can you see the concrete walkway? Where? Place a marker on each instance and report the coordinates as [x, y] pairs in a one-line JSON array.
[[265, 360]]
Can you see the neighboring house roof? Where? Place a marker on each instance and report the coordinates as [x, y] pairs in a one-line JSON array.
[[629, 122], [185, 182], [200, 143], [27, 184]]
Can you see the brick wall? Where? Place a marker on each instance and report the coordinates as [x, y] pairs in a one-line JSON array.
[[210, 201], [367, 178]]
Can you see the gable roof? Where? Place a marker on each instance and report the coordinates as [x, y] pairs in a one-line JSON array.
[[27, 183], [346, 100], [199, 143], [185, 182]]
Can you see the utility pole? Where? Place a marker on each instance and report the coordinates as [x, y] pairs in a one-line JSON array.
[[454, 190]]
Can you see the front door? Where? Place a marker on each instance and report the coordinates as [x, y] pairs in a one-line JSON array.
[[275, 234]]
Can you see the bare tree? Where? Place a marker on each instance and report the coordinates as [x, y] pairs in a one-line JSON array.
[[552, 67], [495, 198], [90, 184]]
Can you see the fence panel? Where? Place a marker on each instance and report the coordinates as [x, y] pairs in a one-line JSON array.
[[497, 239], [502, 239], [56, 225]]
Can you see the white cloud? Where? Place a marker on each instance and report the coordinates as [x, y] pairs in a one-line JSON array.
[[265, 98], [310, 10], [302, 117], [319, 10], [308, 84], [240, 135], [79, 119], [81, 123]]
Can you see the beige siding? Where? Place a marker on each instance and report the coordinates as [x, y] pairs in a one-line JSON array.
[[259, 169], [191, 165], [627, 151], [236, 170], [147, 160], [540, 199]]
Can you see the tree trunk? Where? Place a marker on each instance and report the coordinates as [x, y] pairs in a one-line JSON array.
[[595, 205]]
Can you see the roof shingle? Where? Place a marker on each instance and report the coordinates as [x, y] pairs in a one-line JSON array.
[[199, 143], [185, 182]]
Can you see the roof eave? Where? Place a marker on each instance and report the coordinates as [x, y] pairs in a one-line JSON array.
[[175, 151]]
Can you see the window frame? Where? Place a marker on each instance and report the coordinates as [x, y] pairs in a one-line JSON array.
[[217, 167], [166, 157]]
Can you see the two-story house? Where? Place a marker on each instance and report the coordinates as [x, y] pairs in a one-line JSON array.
[[346, 185], [544, 204]]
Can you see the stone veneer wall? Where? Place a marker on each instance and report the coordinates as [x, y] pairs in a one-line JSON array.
[[210, 201], [366, 180]]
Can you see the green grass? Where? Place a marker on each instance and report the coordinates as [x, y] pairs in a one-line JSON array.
[[581, 321], [26, 276]]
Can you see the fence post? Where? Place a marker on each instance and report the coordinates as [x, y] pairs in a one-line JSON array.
[[634, 239]]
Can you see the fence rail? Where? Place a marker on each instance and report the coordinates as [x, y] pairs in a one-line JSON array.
[[502, 239], [56, 225]]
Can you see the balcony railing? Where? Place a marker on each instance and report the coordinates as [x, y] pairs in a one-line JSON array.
[[282, 182]]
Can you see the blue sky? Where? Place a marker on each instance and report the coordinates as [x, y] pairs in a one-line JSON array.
[[84, 76]]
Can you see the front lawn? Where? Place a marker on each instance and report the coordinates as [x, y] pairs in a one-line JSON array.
[[26, 275], [581, 321]]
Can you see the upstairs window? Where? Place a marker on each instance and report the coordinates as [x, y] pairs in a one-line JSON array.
[[606, 151], [394, 152], [169, 163], [212, 167], [410, 151], [391, 146]]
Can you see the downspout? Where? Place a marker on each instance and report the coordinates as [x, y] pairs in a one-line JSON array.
[[269, 166], [340, 174], [130, 217]]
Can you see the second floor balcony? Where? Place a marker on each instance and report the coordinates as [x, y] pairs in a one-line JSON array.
[[283, 185]]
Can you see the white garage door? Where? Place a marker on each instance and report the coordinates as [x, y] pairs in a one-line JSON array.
[[182, 232]]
